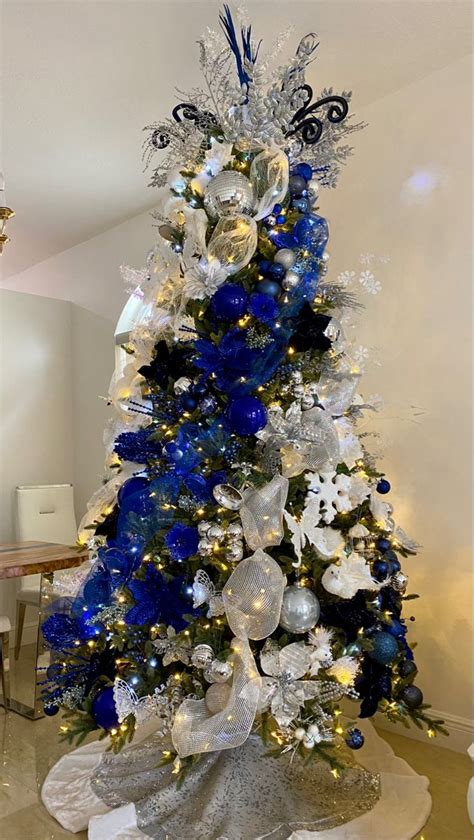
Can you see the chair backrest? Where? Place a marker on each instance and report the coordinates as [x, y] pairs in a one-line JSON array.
[[45, 513]]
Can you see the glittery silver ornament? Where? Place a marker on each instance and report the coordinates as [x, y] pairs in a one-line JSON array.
[[290, 281], [182, 385], [202, 656], [216, 532], [298, 391], [296, 377], [218, 672], [229, 193], [307, 401], [234, 531], [399, 582], [300, 609], [285, 257], [227, 496]]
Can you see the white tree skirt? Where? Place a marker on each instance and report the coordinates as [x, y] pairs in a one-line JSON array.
[[400, 813]]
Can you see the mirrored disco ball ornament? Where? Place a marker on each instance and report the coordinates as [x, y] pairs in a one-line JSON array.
[[229, 192], [300, 609]]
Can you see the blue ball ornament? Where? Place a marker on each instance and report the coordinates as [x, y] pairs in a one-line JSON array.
[[280, 219], [380, 570], [268, 287], [383, 486], [395, 566], [304, 170], [188, 402], [131, 486], [51, 709], [103, 709], [247, 415], [412, 696], [385, 648], [264, 266], [383, 544], [300, 204], [229, 302], [277, 208], [297, 185], [276, 271], [355, 739], [407, 668]]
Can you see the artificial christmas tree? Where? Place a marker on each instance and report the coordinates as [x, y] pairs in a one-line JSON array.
[[247, 575]]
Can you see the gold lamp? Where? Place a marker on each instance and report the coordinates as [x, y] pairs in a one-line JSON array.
[[5, 214]]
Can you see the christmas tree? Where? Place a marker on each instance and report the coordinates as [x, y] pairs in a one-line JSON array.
[[247, 573]]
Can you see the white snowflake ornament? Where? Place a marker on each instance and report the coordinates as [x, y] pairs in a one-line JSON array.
[[331, 493]]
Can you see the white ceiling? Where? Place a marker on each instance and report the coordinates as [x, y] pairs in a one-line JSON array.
[[82, 77]]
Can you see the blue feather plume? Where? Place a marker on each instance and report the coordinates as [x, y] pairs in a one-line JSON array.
[[230, 33]]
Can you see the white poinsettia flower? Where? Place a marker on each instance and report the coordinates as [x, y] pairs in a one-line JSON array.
[[203, 279], [174, 208], [283, 691]]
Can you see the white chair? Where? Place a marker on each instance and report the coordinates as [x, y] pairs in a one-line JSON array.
[[44, 513]]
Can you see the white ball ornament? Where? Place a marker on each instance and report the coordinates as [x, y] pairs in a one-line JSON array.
[[299, 733], [300, 609], [285, 257], [308, 742]]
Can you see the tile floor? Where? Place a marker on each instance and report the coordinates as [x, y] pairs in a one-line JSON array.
[[30, 748]]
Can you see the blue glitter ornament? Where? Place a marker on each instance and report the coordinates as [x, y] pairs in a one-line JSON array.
[[276, 271], [229, 302], [103, 709], [131, 486], [355, 739], [304, 170], [412, 696], [50, 709], [407, 668], [385, 648], [383, 486], [247, 415]]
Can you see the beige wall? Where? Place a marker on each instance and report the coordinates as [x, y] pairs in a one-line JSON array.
[[55, 361], [419, 330]]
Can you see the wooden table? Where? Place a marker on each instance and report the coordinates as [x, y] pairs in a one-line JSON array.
[[33, 558]]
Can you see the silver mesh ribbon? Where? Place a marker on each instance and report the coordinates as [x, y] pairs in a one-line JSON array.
[[269, 174], [262, 513], [252, 599], [233, 242]]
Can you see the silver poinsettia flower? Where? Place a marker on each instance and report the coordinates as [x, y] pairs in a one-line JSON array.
[[305, 439]]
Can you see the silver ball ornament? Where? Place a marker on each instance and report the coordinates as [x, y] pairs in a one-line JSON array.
[[234, 531], [235, 552], [399, 582], [205, 547], [203, 528], [298, 391], [202, 656], [228, 193], [285, 257], [296, 377], [300, 609], [216, 533], [290, 281], [218, 672], [217, 697]]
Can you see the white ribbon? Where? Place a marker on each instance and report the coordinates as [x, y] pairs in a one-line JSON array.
[[252, 600]]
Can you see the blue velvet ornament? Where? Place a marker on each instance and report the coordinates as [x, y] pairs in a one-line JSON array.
[[263, 308], [383, 486], [311, 232], [229, 302], [304, 170], [182, 541], [103, 709], [268, 287], [385, 648], [355, 739], [131, 486], [383, 544], [247, 415]]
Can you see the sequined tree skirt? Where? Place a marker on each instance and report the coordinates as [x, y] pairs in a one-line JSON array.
[[238, 794]]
